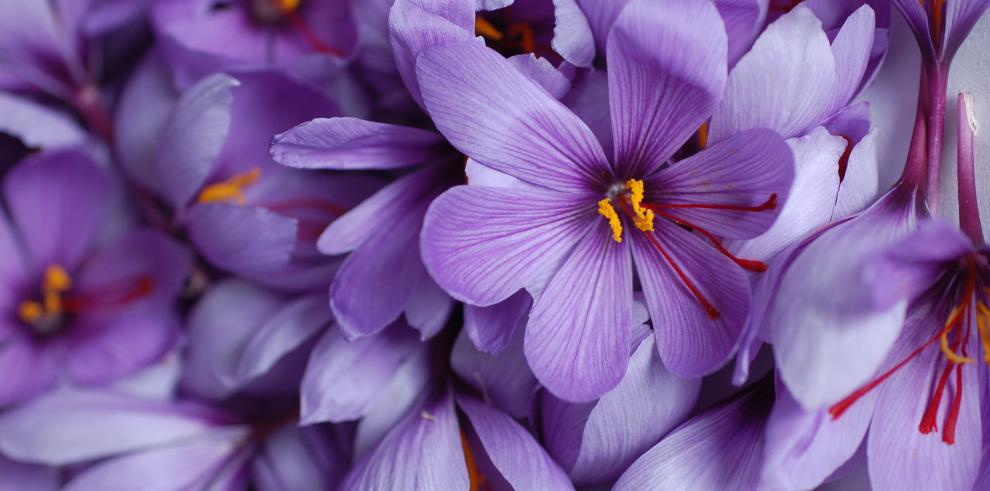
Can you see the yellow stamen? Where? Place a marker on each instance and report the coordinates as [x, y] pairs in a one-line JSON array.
[[944, 342], [30, 311], [475, 478], [983, 324], [231, 190], [287, 5], [606, 210], [703, 135], [486, 29], [643, 218]]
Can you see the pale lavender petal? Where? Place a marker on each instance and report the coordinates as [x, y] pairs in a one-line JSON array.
[[351, 143], [577, 337], [960, 17], [803, 448], [667, 69], [143, 111], [74, 426], [743, 21], [280, 335], [816, 184], [785, 83], [851, 48], [429, 434], [491, 328], [178, 467], [428, 307], [900, 456], [572, 37], [194, 136], [397, 398], [718, 449], [496, 115], [57, 200], [344, 378], [690, 342], [849, 321], [36, 125], [601, 14], [596, 442], [297, 459], [748, 169], [483, 244], [516, 456], [417, 25], [503, 380], [859, 186], [541, 71]]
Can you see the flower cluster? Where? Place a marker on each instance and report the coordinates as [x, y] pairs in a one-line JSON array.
[[293, 245]]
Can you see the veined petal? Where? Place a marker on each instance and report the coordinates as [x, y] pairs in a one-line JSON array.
[[577, 338], [851, 49], [960, 17], [490, 328], [667, 70], [572, 37], [503, 380], [483, 244], [496, 115]]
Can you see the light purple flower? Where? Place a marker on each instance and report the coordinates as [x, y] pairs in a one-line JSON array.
[[544, 231], [79, 308]]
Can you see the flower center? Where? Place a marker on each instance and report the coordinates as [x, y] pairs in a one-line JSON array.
[[953, 339], [514, 39], [46, 315], [231, 190], [630, 198]]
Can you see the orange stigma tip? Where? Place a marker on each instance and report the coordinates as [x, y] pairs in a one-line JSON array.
[[230, 190], [486, 29]]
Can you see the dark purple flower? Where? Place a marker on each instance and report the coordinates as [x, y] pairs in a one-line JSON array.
[[79, 307], [556, 225]]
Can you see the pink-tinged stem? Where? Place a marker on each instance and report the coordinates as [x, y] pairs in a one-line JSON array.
[[915, 172], [969, 208], [937, 81]]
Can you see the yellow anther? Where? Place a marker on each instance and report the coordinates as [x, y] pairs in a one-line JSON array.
[[30, 311], [954, 318], [643, 218], [983, 324], [606, 210], [703, 135], [57, 279], [231, 190], [287, 5], [486, 29]]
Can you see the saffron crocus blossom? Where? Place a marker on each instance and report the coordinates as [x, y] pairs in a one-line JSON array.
[[201, 37], [176, 445], [570, 222], [206, 155], [485, 449], [940, 26], [79, 309]]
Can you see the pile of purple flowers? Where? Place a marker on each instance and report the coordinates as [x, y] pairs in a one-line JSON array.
[[293, 245]]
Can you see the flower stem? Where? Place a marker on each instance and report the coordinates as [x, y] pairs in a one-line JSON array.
[[969, 210]]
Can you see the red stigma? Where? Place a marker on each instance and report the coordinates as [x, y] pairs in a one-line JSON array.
[[113, 295]]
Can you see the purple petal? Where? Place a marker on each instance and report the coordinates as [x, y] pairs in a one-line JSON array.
[[98, 352], [848, 321], [503, 380], [297, 459], [428, 307], [601, 15], [541, 71], [804, 448], [68, 427], [429, 434], [248, 240], [397, 398], [660, 96], [29, 369], [483, 244], [812, 196], [747, 169], [718, 449], [193, 137], [577, 338], [281, 334], [690, 342], [572, 37], [743, 21], [588, 98], [900, 456], [860, 185], [596, 442], [851, 48], [36, 125], [415, 26], [15, 476], [960, 17], [785, 83], [140, 119], [491, 328], [496, 115], [344, 378], [57, 200], [351, 143], [184, 465], [518, 458]]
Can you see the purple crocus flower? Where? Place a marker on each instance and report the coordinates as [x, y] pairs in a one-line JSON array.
[[176, 445], [201, 37], [205, 153], [569, 223], [80, 308]]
